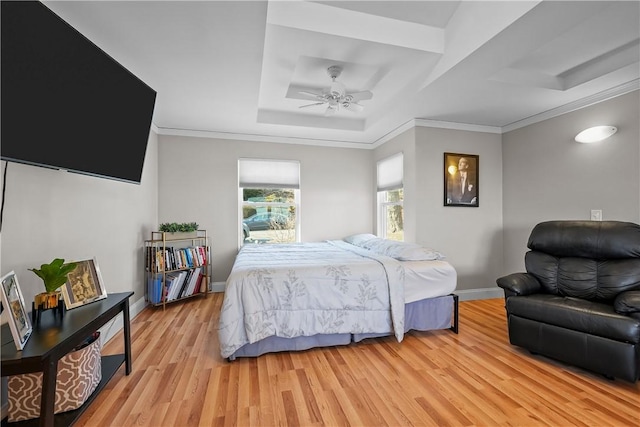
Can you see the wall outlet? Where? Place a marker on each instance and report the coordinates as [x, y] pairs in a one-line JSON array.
[[596, 215]]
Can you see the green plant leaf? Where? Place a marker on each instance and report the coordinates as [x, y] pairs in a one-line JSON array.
[[54, 274], [172, 227]]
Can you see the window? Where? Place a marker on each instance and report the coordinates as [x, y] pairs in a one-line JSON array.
[[390, 173], [269, 199]]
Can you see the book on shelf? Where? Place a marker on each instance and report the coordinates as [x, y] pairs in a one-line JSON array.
[[168, 282], [185, 284], [171, 258], [159, 260], [187, 255], [154, 291], [203, 254], [180, 284], [172, 283], [199, 284], [193, 280]]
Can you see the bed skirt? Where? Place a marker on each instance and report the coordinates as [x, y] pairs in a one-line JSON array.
[[424, 315]]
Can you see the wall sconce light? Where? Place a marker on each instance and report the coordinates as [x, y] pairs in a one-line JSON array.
[[595, 134]]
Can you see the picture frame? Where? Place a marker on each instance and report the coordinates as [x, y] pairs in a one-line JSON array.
[[84, 285], [12, 299], [461, 180]]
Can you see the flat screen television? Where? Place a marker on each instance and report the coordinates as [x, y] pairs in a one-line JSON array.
[[66, 104]]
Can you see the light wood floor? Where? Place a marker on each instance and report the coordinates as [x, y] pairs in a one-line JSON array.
[[475, 378]]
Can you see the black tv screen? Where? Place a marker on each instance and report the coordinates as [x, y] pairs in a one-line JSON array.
[[66, 104]]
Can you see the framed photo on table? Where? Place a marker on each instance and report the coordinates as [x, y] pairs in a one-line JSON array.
[[461, 187], [84, 285], [12, 300]]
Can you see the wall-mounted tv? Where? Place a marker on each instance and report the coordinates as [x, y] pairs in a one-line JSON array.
[[66, 104]]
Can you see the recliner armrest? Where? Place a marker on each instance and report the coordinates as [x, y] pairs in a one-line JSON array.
[[519, 283], [627, 302]]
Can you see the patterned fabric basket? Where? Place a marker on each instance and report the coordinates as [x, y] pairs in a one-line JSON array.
[[79, 373]]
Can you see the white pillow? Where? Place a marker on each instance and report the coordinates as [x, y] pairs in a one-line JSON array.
[[359, 239], [401, 251]]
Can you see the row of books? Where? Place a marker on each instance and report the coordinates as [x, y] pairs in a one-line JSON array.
[[178, 285], [170, 258]]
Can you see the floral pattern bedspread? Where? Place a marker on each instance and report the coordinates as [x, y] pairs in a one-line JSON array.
[[304, 289]]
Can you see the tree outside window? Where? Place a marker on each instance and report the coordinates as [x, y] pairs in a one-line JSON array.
[[392, 214]]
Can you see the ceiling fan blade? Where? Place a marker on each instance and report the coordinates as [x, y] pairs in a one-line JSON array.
[[330, 111], [352, 106], [311, 105], [315, 95], [362, 96]]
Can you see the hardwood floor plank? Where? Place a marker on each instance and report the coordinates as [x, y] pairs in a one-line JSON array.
[[432, 378], [308, 396]]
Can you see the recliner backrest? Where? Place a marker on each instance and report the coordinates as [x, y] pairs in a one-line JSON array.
[[593, 260]]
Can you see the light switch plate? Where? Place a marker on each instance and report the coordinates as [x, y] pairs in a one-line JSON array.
[[596, 214]]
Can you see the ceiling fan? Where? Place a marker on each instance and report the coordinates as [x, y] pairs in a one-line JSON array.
[[336, 95]]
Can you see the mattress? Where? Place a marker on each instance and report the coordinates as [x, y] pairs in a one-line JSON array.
[[428, 279]]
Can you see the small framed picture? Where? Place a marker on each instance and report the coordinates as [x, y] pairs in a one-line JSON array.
[[84, 285], [461, 180], [19, 322]]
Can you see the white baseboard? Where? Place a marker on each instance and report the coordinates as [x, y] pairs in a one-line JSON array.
[[480, 293], [217, 286]]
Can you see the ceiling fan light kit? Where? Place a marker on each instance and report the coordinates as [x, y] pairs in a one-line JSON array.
[[336, 96]]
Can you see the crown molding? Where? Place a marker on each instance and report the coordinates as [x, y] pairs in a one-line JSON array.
[[395, 132], [457, 126], [576, 105], [262, 138]]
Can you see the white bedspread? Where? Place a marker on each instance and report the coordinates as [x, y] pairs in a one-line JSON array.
[[428, 279], [291, 290]]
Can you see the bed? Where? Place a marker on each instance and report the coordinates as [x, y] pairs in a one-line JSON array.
[[291, 297]]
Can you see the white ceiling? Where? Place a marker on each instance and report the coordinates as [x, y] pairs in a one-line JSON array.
[[234, 69]]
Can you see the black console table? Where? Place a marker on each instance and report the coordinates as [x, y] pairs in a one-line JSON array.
[[55, 337]]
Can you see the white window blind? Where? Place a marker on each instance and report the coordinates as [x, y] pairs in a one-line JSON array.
[[390, 173], [258, 173]]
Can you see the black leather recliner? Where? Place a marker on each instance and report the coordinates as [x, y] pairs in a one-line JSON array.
[[579, 301]]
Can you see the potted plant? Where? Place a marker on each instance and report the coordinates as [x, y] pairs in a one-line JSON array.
[[177, 230], [54, 275]]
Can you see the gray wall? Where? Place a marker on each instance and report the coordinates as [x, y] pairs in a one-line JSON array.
[[199, 182], [547, 175], [470, 237], [55, 214]]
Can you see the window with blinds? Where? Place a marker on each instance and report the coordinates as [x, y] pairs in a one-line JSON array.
[[390, 175]]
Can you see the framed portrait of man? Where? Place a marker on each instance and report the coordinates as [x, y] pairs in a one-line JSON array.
[[84, 284], [461, 187]]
